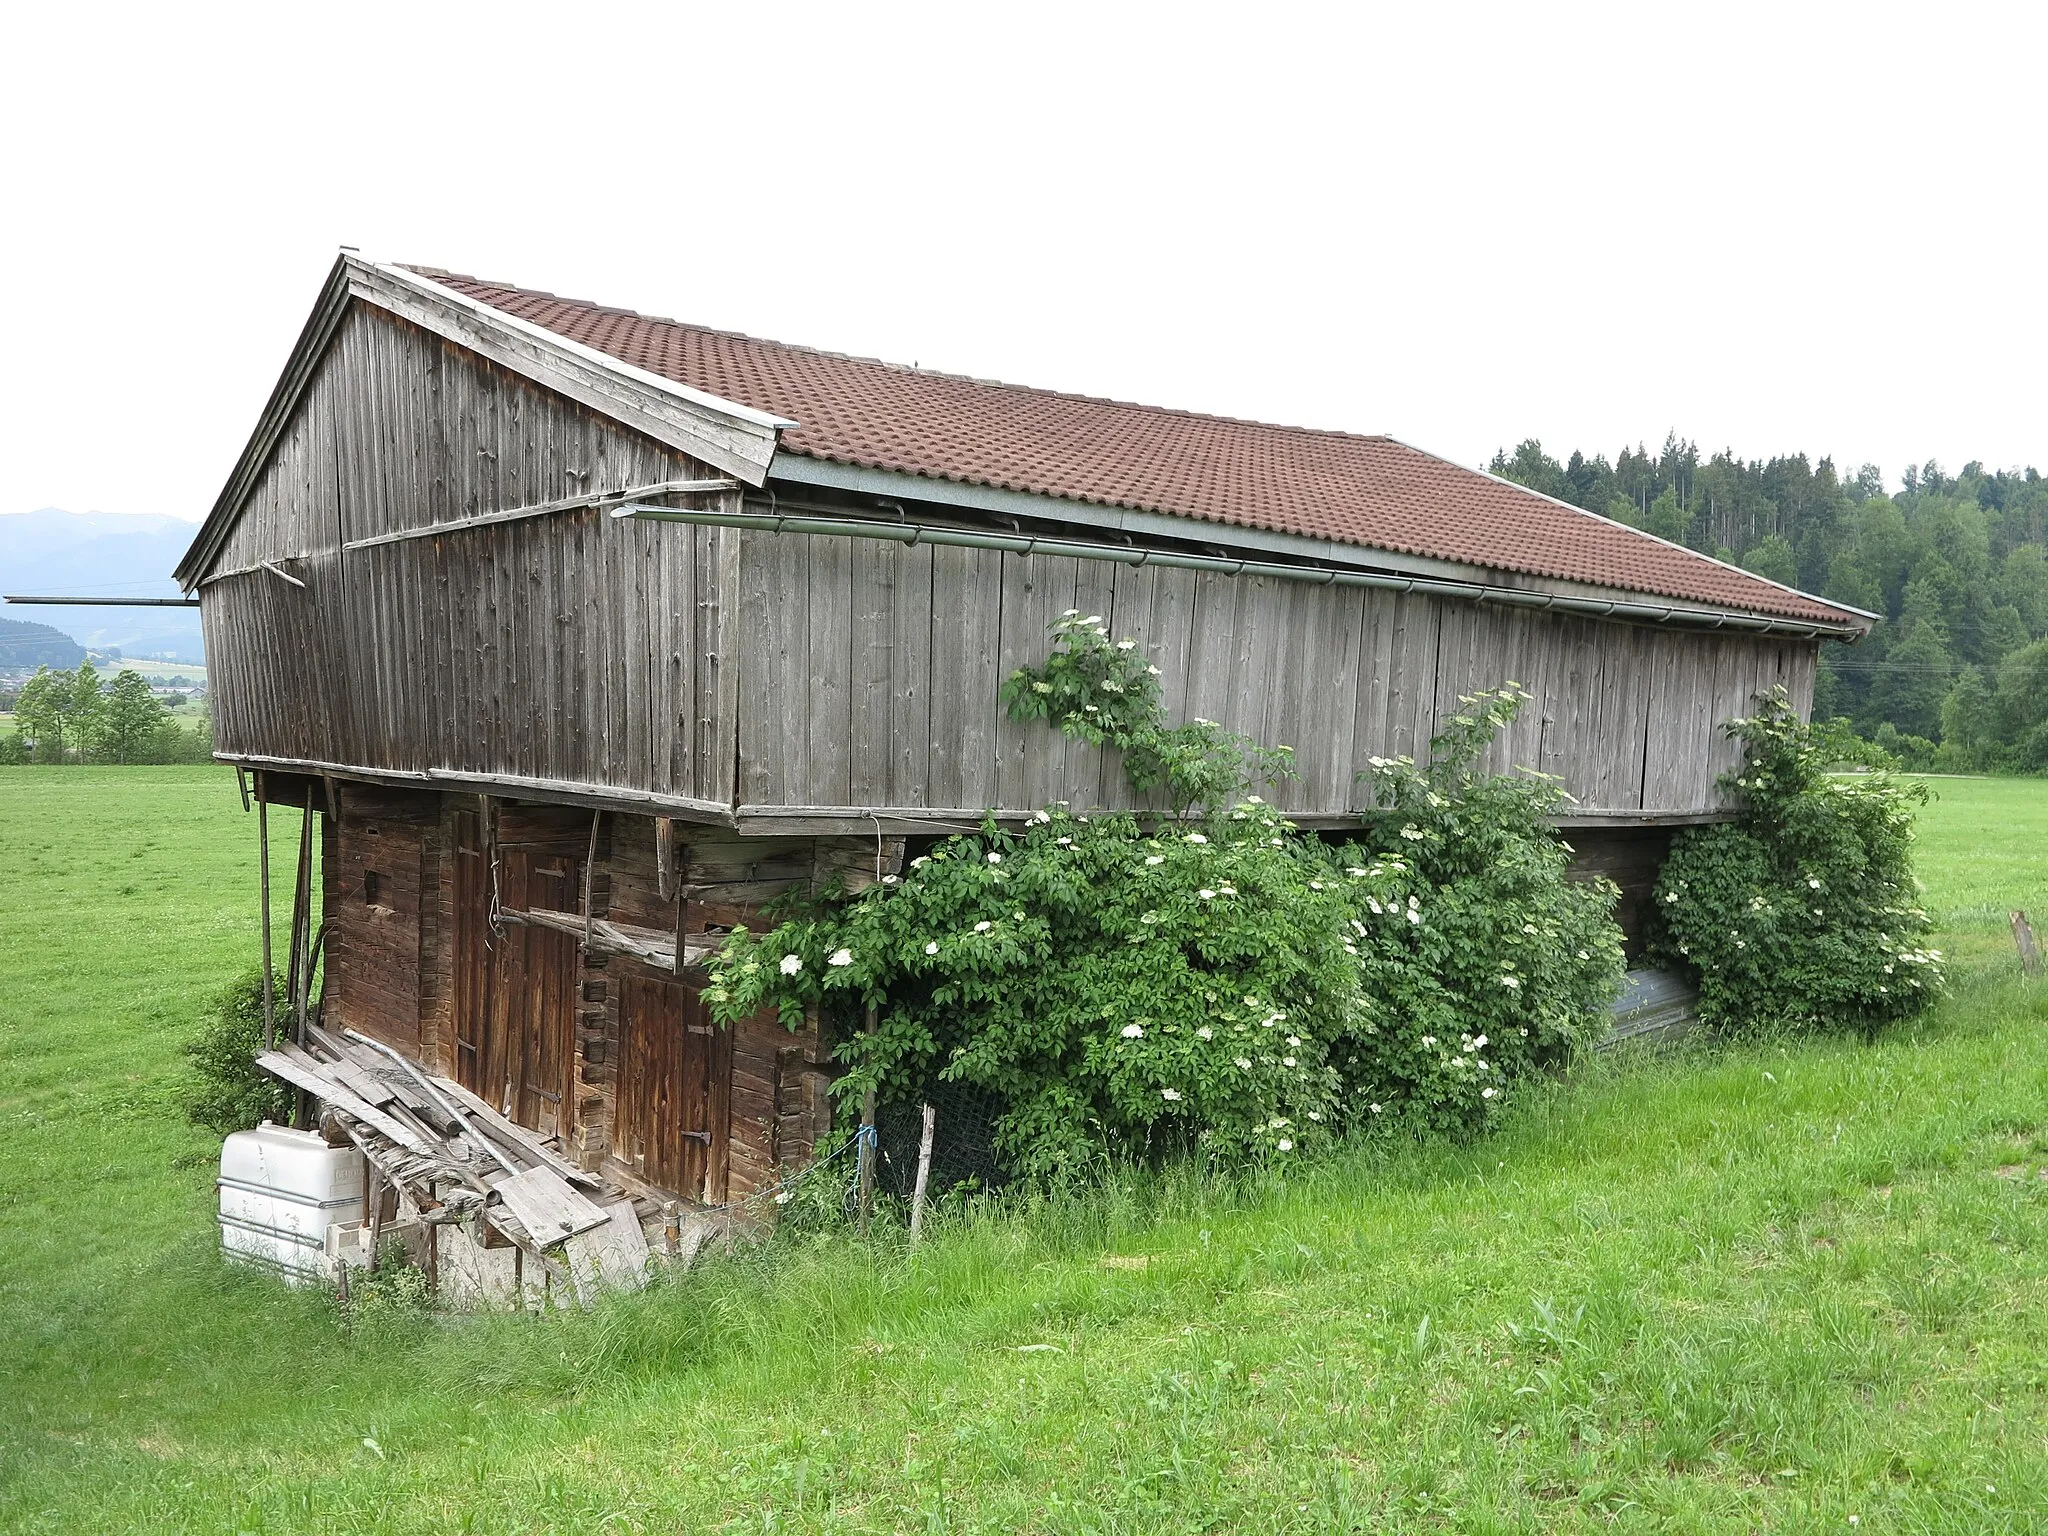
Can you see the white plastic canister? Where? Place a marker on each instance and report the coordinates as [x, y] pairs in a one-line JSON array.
[[280, 1190]]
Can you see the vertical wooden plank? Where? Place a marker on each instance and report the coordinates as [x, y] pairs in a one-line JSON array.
[[966, 675], [1037, 590], [828, 660], [1154, 605], [775, 603], [1568, 750], [911, 619], [1683, 666], [1213, 646], [678, 637], [891, 617], [1317, 646], [626, 580], [718, 1163], [1802, 660]]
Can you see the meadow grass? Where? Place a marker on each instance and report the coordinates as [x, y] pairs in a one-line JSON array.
[[1773, 1286]]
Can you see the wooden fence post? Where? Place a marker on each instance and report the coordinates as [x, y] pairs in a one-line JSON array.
[[924, 1171], [867, 1137], [2023, 936]]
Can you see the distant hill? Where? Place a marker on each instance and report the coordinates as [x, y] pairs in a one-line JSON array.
[[62, 553], [36, 645]]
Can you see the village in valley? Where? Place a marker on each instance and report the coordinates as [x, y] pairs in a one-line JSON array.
[[609, 922]]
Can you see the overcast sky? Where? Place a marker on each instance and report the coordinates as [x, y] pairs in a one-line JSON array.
[[1772, 228]]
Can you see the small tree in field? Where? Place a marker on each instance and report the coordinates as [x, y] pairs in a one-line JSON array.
[[85, 711], [40, 713], [133, 720]]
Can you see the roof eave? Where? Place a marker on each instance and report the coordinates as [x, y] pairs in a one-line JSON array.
[[794, 467], [1850, 615]]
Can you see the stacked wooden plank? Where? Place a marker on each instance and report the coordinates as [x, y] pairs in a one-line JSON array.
[[454, 1159]]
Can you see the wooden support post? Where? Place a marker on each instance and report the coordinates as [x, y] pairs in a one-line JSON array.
[[665, 855], [589, 876], [2023, 936], [313, 1011], [867, 1136], [672, 1229], [924, 1171], [488, 817], [677, 866], [433, 1245], [376, 1192], [302, 927], [263, 857]]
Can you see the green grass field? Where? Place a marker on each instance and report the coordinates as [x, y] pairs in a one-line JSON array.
[[1775, 1287]]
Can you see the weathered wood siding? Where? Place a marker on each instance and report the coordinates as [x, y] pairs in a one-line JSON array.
[[567, 647], [770, 672], [869, 676]]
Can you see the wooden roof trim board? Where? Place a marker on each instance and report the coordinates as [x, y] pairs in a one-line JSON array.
[[306, 353], [735, 438]]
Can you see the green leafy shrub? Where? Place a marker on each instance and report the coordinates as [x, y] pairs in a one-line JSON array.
[[1515, 962], [1108, 694], [1232, 985], [1802, 912], [230, 1094]]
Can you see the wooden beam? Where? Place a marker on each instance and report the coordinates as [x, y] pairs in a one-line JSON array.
[[544, 509], [510, 786], [263, 858], [301, 1071], [656, 946], [732, 437]]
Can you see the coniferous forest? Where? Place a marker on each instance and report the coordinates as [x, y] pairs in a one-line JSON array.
[[1956, 677]]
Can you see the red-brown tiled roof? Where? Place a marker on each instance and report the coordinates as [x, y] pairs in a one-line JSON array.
[[1370, 491]]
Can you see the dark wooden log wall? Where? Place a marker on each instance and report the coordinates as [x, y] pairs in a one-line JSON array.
[[408, 963], [376, 886], [825, 676]]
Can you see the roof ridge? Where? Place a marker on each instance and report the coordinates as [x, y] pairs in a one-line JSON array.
[[437, 273]]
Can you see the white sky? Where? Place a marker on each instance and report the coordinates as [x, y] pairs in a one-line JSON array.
[[1772, 227]]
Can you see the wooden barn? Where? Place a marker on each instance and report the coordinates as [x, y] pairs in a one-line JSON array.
[[585, 633]]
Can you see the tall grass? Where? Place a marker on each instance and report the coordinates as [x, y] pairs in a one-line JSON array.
[[1770, 1287]]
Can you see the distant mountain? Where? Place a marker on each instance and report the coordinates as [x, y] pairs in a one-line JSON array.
[[57, 553], [36, 645]]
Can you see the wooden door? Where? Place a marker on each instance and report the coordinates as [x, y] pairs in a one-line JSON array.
[[669, 1127], [516, 989]]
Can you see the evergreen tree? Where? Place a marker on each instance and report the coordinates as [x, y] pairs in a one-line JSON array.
[[1918, 671]]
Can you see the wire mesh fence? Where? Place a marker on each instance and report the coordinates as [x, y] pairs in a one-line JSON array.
[[963, 1140]]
